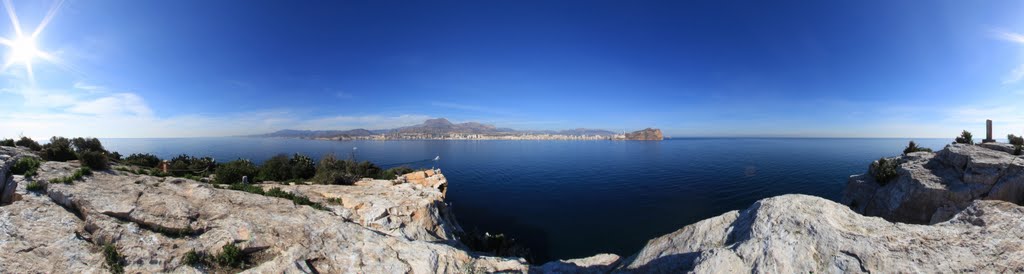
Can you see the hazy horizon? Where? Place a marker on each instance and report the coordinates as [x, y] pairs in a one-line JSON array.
[[876, 69]]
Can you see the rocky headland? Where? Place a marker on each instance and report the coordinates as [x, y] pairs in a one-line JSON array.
[[647, 134], [949, 211]]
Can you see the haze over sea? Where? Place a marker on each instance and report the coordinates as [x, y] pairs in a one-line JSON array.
[[567, 199]]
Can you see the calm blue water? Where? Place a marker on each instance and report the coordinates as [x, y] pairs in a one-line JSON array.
[[567, 199]]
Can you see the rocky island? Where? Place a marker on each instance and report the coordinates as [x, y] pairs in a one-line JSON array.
[[948, 211]]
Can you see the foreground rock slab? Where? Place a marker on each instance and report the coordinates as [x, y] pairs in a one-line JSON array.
[[804, 234]]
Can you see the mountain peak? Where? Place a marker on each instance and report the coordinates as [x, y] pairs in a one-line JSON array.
[[437, 122]]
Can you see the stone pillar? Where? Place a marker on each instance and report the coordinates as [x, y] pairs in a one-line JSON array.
[[988, 132]]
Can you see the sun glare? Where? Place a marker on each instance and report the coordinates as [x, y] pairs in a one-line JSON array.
[[23, 50]]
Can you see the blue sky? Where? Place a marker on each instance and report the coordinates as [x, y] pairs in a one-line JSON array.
[[692, 68]]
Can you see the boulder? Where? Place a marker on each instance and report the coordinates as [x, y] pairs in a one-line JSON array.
[[806, 234]]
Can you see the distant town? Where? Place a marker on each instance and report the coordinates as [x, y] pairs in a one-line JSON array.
[[442, 129]]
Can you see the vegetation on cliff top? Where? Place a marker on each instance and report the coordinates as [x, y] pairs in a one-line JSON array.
[[912, 147], [883, 170], [965, 138]]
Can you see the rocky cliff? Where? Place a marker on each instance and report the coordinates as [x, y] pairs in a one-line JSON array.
[[932, 187], [647, 134]]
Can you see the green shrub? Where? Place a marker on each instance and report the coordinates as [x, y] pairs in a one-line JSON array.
[[251, 188], [113, 260], [393, 173], [883, 170], [7, 142], [35, 186], [29, 143], [302, 167], [232, 172], [965, 138], [79, 174], [189, 165], [496, 244], [912, 147], [84, 144], [94, 159], [231, 255], [115, 156], [59, 149], [331, 171], [192, 258], [277, 168], [143, 160], [27, 166], [1015, 140]]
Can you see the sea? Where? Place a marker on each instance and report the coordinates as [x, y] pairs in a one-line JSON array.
[[570, 199]]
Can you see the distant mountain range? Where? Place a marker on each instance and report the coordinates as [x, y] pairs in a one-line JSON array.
[[438, 126]]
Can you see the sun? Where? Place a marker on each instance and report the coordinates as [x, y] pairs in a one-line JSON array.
[[23, 49]]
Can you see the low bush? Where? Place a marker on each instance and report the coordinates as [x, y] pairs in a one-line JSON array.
[[1015, 140], [29, 143], [94, 159], [231, 255], [79, 174], [965, 138], [277, 168], [190, 165], [912, 147], [90, 144], [232, 172], [115, 156], [302, 167], [333, 171], [496, 244], [143, 160], [7, 142], [393, 173], [59, 149], [35, 186], [280, 168], [277, 192], [883, 170], [113, 259], [27, 166], [192, 258]]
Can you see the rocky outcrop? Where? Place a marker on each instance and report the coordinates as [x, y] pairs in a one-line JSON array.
[[413, 209], [932, 187], [153, 222], [647, 134], [806, 234]]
